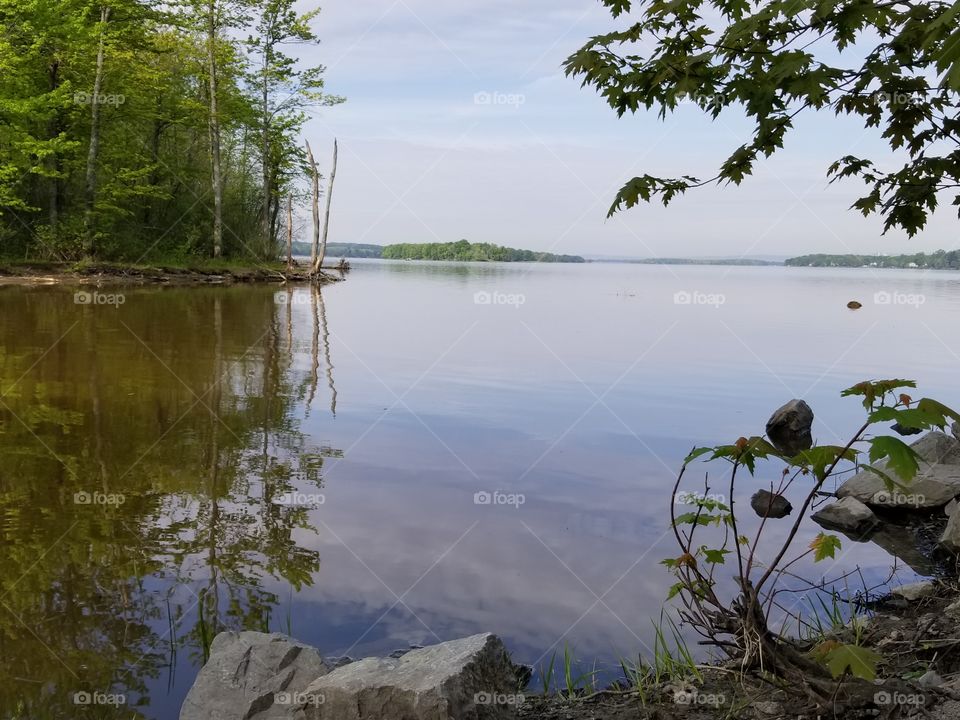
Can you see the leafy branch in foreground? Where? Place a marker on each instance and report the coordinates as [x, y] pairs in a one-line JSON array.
[[737, 622], [775, 59]]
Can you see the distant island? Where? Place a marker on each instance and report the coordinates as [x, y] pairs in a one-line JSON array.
[[939, 260], [461, 250], [342, 250]]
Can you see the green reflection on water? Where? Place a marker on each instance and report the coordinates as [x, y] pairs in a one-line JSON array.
[[152, 466]]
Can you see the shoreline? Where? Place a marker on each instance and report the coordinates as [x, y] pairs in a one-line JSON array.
[[55, 273]]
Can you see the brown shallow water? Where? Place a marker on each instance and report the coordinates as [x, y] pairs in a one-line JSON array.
[[190, 459]]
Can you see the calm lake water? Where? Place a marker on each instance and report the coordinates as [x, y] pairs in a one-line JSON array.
[[423, 452]]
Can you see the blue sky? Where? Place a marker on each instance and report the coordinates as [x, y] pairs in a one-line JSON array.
[[460, 123]]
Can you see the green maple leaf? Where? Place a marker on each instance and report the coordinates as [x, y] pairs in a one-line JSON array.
[[861, 662], [824, 546], [902, 458]]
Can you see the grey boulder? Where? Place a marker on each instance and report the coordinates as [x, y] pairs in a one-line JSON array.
[[849, 516], [936, 484], [789, 428], [245, 675], [915, 591], [938, 448], [769, 505], [468, 679]]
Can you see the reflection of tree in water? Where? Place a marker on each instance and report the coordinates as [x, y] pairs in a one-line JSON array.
[[185, 402]]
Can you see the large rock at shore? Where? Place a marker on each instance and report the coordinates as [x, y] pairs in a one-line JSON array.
[[789, 428], [849, 516], [938, 448], [937, 483], [245, 674], [468, 679]]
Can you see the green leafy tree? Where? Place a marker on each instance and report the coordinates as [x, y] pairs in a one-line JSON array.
[[128, 128], [284, 91], [895, 65]]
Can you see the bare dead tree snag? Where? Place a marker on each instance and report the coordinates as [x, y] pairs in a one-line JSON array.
[[315, 202], [318, 263]]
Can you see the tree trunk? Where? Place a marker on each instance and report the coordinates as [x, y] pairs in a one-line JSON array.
[[326, 219], [274, 220], [55, 162], [315, 197], [150, 208], [214, 129], [90, 189], [266, 237], [289, 233]]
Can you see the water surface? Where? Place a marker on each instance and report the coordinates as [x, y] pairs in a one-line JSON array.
[[195, 459]]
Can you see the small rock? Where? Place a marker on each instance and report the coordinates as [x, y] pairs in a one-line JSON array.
[[768, 707], [789, 428], [930, 679], [953, 609], [955, 428], [767, 504], [848, 515], [524, 675], [915, 591], [903, 430], [950, 507], [950, 539], [397, 654]]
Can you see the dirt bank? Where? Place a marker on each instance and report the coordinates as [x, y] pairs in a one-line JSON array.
[[918, 676]]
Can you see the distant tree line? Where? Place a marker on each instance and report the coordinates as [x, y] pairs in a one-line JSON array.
[[336, 250], [748, 262], [139, 129], [471, 252], [939, 260]]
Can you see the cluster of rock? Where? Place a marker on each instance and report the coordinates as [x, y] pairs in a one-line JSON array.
[[260, 676], [867, 509], [914, 521]]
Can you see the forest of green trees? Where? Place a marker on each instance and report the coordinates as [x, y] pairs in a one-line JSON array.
[[140, 129], [342, 250], [476, 252], [939, 260]]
